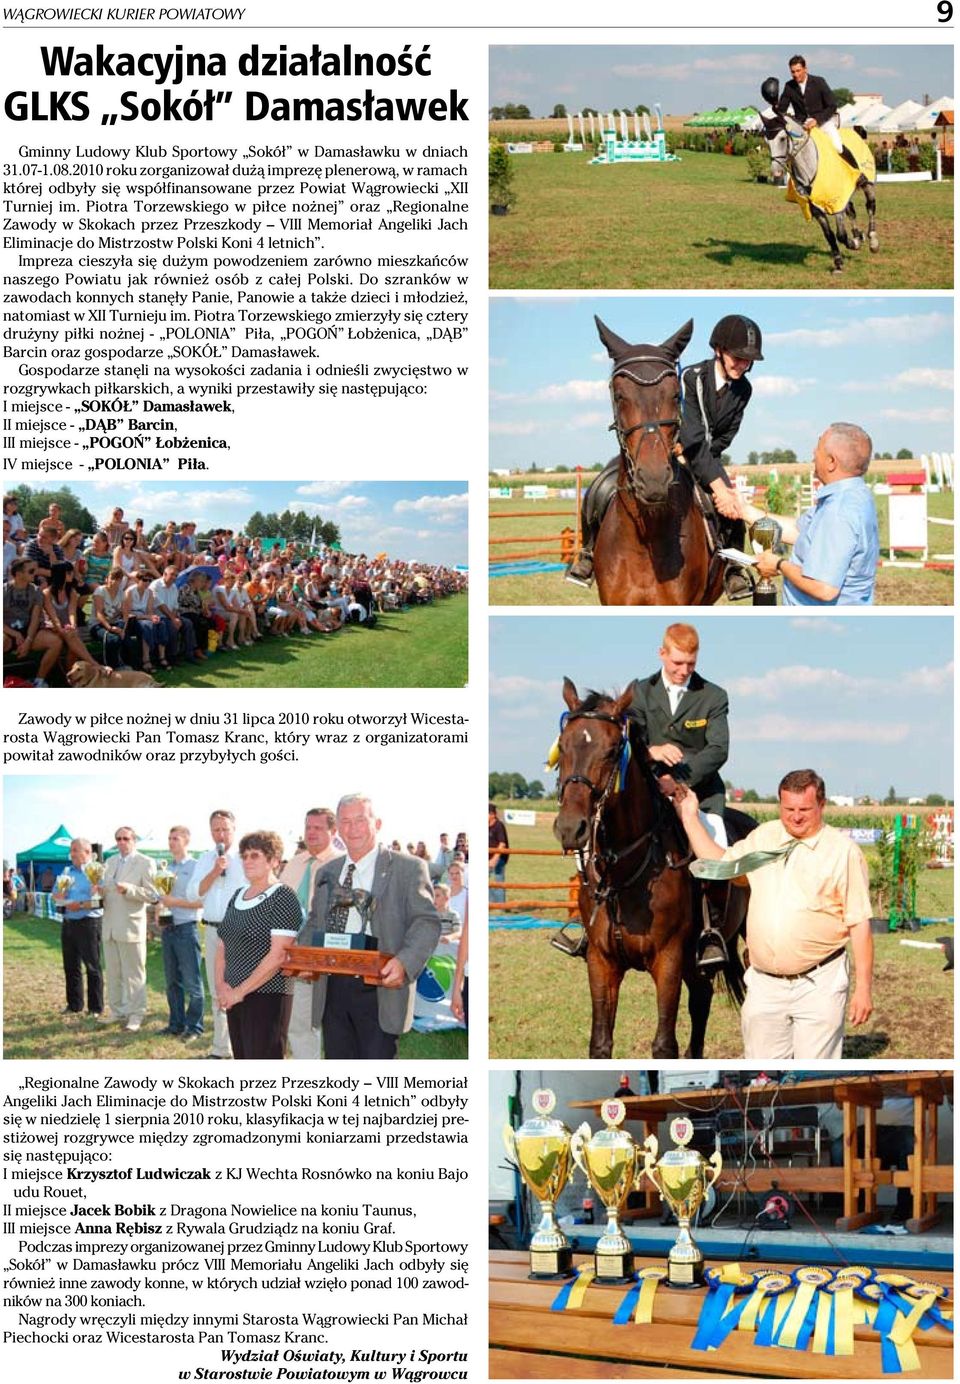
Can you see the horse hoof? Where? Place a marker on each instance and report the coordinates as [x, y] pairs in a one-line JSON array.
[[874, 243], [837, 269]]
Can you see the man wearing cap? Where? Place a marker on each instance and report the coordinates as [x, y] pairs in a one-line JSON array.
[[809, 896], [716, 392]]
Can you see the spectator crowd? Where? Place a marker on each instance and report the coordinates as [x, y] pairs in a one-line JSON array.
[[121, 598]]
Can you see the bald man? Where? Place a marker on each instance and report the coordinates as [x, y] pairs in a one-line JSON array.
[[836, 544]]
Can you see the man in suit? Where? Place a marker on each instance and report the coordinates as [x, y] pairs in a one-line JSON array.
[[127, 888], [381, 900], [300, 874], [811, 102], [683, 719]]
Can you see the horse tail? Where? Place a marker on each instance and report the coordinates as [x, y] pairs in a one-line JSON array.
[[730, 978]]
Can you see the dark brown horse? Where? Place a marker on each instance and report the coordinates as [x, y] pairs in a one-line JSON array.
[[652, 547], [638, 902]]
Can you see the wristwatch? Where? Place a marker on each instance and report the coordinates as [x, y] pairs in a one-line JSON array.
[[780, 562]]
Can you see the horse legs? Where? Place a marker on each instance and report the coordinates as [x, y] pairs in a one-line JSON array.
[[829, 236], [870, 197], [699, 1000], [667, 973], [605, 980], [854, 237]]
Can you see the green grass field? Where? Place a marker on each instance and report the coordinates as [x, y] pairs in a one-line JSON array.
[[540, 1003], [895, 585], [425, 646], [33, 995], [701, 223]]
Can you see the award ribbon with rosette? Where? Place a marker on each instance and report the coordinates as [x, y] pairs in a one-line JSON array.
[[682, 1177], [610, 1160], [540, 1150]]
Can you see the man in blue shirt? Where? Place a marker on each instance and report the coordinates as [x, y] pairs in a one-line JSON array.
[[80, 932], [836, 544], [181, 944]]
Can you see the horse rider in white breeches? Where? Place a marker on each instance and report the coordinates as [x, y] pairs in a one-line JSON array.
[[811, 101]]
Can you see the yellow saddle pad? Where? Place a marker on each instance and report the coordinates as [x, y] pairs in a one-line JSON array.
[[835, 181]]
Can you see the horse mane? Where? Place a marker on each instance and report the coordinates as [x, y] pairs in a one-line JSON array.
[[592, 700]]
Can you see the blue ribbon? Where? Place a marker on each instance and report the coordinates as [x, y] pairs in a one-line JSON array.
[[563, 1297], [628, 1305], [713, 1309], [763, 1336]]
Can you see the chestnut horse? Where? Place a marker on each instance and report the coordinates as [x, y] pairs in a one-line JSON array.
[[652, 546], [639, 905]]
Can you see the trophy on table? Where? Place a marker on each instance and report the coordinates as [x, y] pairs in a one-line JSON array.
[[540, 1150], [682, 1177], [610, 1160], [768, 535]]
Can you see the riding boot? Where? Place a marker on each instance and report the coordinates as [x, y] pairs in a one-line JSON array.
[[737, 581], [580, 571], [570, 946]]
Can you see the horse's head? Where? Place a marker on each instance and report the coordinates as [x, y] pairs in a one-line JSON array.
[[593, 735], [645, 394]]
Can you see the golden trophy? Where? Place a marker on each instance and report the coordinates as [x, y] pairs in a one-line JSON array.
[[94, 873], [682, 1177], [610, 1161], [164, 878], [768, 535], [540, 1150]]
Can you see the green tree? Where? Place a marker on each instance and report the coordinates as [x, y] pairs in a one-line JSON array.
[[891, 799], [844, 96], [255, 525], [559, 111], [904, 454], [34, 505], [750, 796], [935, 800], [535, 789]]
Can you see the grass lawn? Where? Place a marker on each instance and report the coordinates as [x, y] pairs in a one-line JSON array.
[[895, 585], [702, 223], [425, 646], [33, 995], [540, 1003]]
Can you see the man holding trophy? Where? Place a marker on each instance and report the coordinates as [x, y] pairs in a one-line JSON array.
[[127, 889], [80, 930], [836, 544]]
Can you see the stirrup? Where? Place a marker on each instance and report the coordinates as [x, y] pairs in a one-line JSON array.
[[711, 951], [738, 584], [580, 571], [570, 946]]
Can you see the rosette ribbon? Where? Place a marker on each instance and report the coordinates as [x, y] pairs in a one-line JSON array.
[[720, 1313]]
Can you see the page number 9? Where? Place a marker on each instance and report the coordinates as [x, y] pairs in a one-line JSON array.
[[945, 11]]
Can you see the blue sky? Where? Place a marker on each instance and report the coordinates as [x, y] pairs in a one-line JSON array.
[[885, 363], [692, 77], [865, 701], [421, 520]]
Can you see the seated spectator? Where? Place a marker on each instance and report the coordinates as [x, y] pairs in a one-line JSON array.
[[194, 608], [23, 628], [108, 624], [60, 613], [99, 560], [43, 551], [174, 630], [138, 605], [115, 527], [10, 549], [11, 512]]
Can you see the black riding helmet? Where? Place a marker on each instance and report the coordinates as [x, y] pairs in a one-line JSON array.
[[739, 336]]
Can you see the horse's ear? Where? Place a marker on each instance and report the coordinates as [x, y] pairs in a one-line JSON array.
[[678, 343], [570, 695], [622, 705], [616, 346]]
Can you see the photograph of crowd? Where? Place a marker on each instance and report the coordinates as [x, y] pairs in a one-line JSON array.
[[125, 601], [171, 941]]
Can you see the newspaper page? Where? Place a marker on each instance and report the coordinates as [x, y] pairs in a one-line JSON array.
[[265, 270]]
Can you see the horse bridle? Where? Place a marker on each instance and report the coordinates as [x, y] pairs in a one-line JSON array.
[[598, 796], [652, 425]]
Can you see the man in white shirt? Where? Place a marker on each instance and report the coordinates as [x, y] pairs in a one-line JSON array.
[[166, 604], [217, 877]]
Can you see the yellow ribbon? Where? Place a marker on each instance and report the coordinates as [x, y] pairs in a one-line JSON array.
[[553, 755], [843, 1319], [797, 1314], [751, 1312], [644, 1312], [906, 1325], [575, 1299]]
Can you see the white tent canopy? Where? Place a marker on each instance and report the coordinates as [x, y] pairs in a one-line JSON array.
[[900, 118], [867, 116]]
